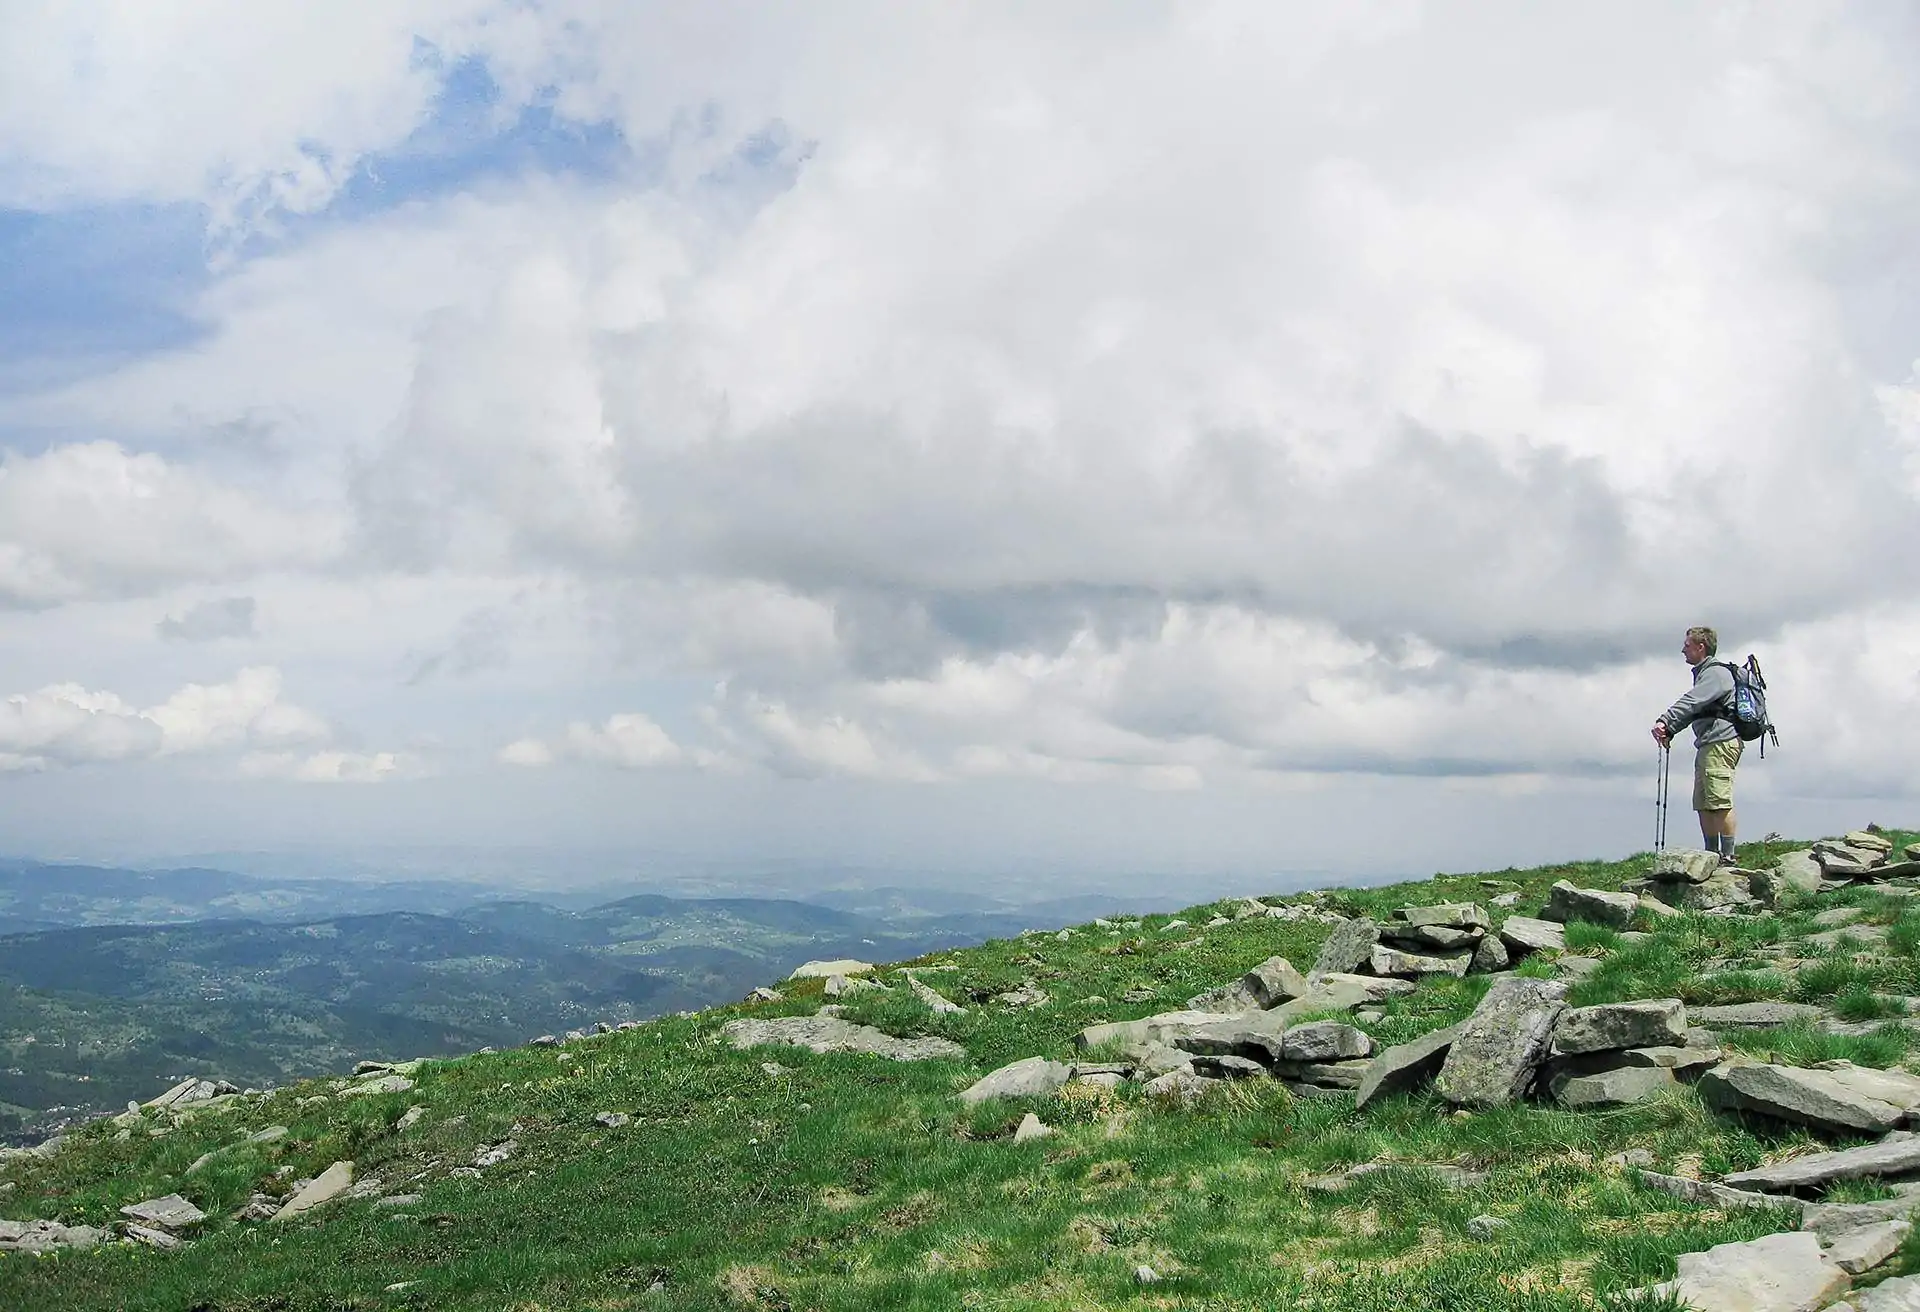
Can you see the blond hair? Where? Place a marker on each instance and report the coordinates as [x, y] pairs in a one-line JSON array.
[[1706, 637]]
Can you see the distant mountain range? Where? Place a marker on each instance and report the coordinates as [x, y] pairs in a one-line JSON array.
[[114, 982]]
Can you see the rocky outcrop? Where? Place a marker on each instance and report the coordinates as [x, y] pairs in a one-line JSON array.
[[1492, 1061], [1347, 948], [1031, 1077], [1567, 903], [832, 1034], [1822, 1099], [1656, 1022]]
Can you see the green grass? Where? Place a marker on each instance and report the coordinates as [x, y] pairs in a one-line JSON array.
[[850, 1182]]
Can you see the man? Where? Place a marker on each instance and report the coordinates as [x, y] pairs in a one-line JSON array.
[[1716, 745]]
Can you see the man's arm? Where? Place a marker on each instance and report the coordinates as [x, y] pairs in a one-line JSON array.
[[1705, 697]]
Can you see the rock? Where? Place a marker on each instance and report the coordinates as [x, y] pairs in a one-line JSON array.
[[1492, 1061], [397, 1200], [544, 1041], [612, 1120], [1863, 936], [1657, 909], [1397, 961], [1799, 871], [1487, 1227], [939, 1005], [1656, 1022], [1755, 1015], [1347, 948], [1362, 988], [1446, 915], [1324, 1074], [335, 1180], [1324, 1040], [169, 1213], [1162, 1028], [1900, 1294], [1901, 1088], [1775, 1273], [274, 1133], [385, 1084], [1729, 889], [1255, 1035], [845, 966], [1183, 1088], [1790, 1093], [1859, 1251], [1031, 1127], [1027, 995], [1225, 1066], [1835, 917], [1268, 984], [1621, 1087], [1889, 1159], [1506, 900], [1524, 934], [1423, 937], [1489, 956], [831, 1034], [1030, 1077], [765, 994], [1631, 1157], [1406, 1066], [1831, 1220], [1685, 865], [45, 1236], [1568, 903], [1145, 1275], [1868, 838], [152, 1237], [495, 1153]]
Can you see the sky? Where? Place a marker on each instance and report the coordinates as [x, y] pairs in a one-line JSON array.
[[1048, 444]]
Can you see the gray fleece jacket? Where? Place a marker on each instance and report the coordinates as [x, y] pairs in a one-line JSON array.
[[1712, 691]]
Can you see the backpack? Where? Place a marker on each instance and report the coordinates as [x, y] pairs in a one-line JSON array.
[[1747, 704]]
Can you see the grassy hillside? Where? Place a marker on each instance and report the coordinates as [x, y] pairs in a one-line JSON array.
[[777, 1178]]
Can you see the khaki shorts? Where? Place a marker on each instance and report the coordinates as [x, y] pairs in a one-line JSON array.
[[1713, 775]]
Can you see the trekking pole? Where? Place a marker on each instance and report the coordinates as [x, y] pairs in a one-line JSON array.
[[1660, 800]]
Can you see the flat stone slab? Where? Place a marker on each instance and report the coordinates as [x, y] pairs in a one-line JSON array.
[[832, 1034], [1566, 902], [1526, 934], [1492, 1062], [825, 969], [1030, 1077], [1709, 1194], [1324, 1040], [1397, 961], [1366, 989], [1831, 1220], [1859, 1251], [1449, 915], [1685, 864], [1900, 1294], [1616, 1088], [1755, 1015], [1406, 1066], [1775, 1273], [1347, 948], [1888, 1160], [1791, 1093], [329, 1184], [1653, 1023], [170, 1213]]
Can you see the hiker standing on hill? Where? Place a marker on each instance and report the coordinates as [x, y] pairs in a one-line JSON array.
[[1716, 743]]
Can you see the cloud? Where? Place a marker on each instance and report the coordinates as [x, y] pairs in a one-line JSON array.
[[1150, 397], [92, 519], [229, 617], [66, 724], [629, 741], [330, 767]]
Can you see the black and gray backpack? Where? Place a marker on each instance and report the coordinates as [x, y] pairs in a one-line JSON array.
[[1747, 705]]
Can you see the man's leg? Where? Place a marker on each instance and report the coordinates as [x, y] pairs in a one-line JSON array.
[[1713, 795]]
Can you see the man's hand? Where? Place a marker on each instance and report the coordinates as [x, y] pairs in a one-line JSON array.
[[1660, 732]]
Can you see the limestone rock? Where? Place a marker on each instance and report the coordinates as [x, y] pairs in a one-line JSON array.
[[1487, 1227], [333, 1181], [1890, 1159], [1226, 1066], [1831, 1220], [1900, 1294], [45, 1236], [1709, 1194], [1567, 903], [1726, 890], [1324, 1074], [1397, 961], [1406, 1066], [1620, 1087], [1775, 1273], [1268, 984], [1448, 915], [1364, 989], [612, 1120], [1030, 1077], [1421, 938], [1800, 871], [846, 966], [1182, 1088], [1489, 955], [1657, 1022], [1255, 1035], [1685, 865], [1324, 1040], [1347, 948], [832, 1034], [1492, 1062], [1755, 1015], [939, 1005], [169, 1213], [1136, 1034], [1790, 1093], [1525, 934], [1867, 838], [1031, 1127], [1859, 1251]]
